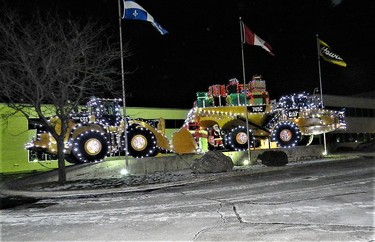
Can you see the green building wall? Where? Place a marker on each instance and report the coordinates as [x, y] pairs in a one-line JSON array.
[[156, 113], [15, 133]]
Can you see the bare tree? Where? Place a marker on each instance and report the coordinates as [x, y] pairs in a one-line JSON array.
[[59, 62]]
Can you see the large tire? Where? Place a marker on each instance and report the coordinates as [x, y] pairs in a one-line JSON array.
[[141, 142], [90, 146], [236, 139], [286, 134]]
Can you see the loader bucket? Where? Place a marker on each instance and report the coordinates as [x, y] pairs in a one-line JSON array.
[[183, 142], [162, 141]]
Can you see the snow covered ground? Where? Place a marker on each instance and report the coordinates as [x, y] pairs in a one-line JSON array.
[[321, 201]]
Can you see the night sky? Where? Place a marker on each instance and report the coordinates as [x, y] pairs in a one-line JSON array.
[[203, 46]]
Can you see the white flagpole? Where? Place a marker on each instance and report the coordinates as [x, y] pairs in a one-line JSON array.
[[123, 88], [244, 86], [321, 89]]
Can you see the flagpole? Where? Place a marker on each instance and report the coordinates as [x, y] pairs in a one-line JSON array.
[[244, 86], [123, 88], [321, 89], [320, 72]]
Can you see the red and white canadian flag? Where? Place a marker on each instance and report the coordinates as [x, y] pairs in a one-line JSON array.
[[249, 37]]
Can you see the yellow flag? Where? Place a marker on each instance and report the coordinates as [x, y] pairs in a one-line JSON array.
[[330, 56]]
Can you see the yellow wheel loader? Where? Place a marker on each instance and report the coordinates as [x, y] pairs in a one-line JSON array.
[[99, 131], [238, 116]]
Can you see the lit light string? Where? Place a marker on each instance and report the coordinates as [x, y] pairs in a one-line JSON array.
[[231, 140], [110, 132], [299, 108], [286, 134], [140, 146]]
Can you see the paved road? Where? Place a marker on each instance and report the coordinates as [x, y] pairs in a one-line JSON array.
[[327, 201]]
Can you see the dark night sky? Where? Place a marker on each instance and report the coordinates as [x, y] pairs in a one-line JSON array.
[[203, 45]]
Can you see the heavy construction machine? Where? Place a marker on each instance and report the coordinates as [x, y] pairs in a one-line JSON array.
[[229, 117], [240, 116], [98, 131]]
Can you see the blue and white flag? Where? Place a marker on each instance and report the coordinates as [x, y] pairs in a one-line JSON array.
[[133, 10]]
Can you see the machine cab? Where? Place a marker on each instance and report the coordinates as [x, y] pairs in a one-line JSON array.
[[106, 111]]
